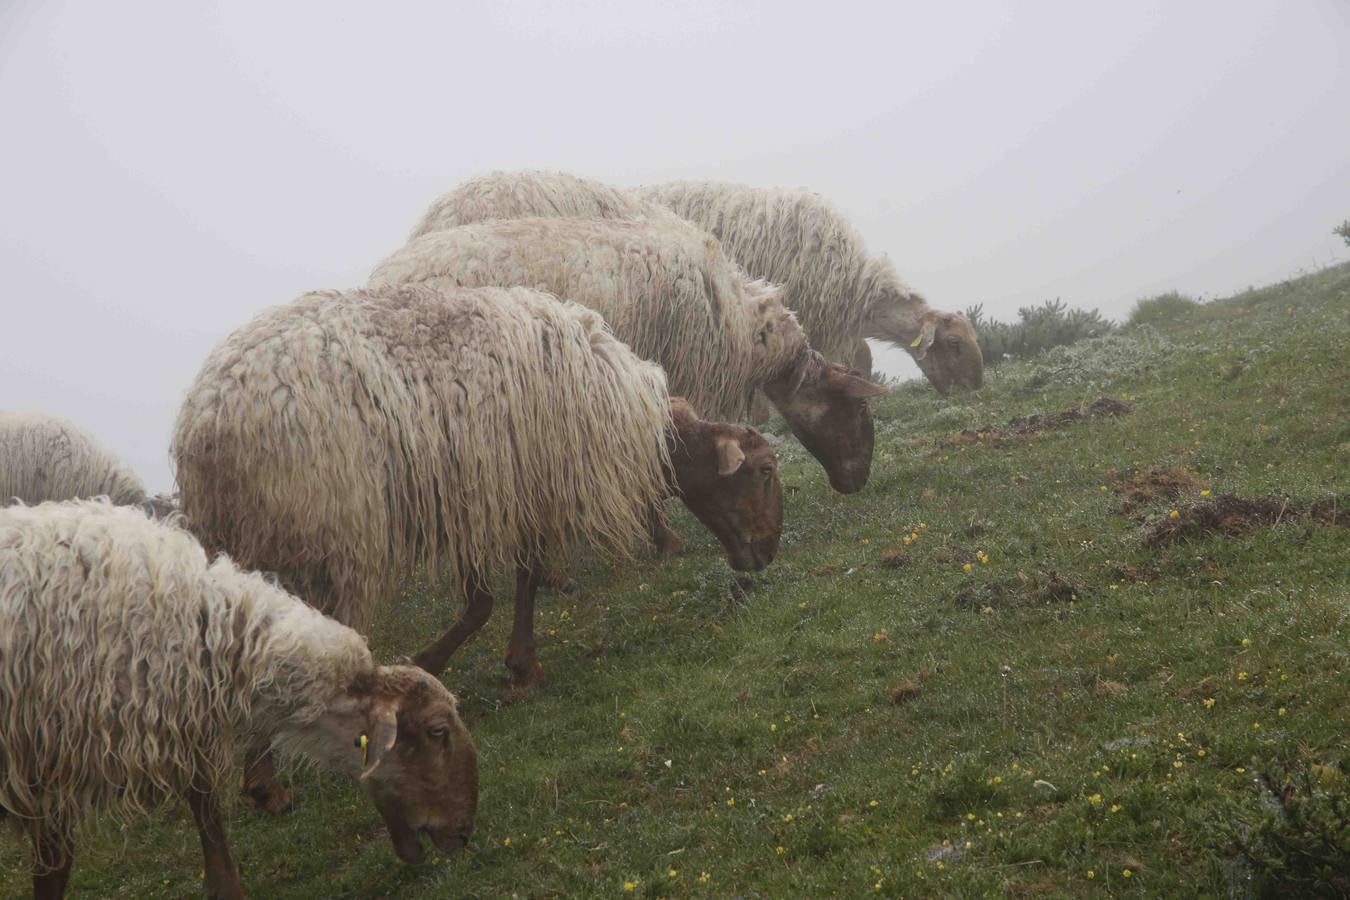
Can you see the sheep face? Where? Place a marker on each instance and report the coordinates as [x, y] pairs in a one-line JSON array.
[[827, 408], [728, 477], [420, 767], [948, 354]]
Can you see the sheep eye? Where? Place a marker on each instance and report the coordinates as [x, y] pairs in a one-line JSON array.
[[439, 732], [766, 471]]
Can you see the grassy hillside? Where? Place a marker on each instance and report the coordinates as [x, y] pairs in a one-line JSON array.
[[1057, 657]]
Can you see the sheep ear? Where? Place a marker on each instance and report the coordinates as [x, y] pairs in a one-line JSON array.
[[380, 738], [858, 388], [729, 455], [919, 346]]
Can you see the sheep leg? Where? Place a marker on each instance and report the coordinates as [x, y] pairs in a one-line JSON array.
[[260, 781], [477, 610], [222, 876], [53, 852], [521, 660], [862, 358], [759, 409], [667, 542]]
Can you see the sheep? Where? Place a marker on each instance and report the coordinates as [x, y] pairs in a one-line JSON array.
[[842, 295], [44, 457], [345, 438], [667, 290], [131, 666], [525, 195]]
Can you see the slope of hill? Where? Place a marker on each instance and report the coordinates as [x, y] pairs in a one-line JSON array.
[[1084, 632]]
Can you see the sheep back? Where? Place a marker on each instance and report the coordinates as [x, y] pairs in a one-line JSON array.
[[665, 288], [45, 457], [130, 665], [344, 438], [522, 195], [795, 238]]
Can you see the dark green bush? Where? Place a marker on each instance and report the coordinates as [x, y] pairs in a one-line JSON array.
[[1343, 230], [1052, 324], [1163, 309]]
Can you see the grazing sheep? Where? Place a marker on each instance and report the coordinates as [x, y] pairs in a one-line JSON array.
[[345, 438], [131, 667], [841, 295], [47, 458], [525, 195], [667, 290]]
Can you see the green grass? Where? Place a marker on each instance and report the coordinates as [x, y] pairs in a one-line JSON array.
[[879, 721]]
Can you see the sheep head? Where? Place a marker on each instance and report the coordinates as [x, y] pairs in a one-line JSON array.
[[399, 733], [947, 352], [728, 477], [826, 406]]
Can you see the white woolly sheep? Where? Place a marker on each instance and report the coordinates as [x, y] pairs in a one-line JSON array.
[[525, 195], [345, 438], [841, 295], [45, 457], [131, 667], [666, 289]]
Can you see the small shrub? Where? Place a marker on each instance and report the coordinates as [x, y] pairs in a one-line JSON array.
[[1343, 230], [1097, 362], [1052, 324], [1163, 309]]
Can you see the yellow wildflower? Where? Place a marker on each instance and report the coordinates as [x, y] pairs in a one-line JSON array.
[[1115, 807], [1176, 764], [630, 885], [967, 567], [1242, 676], [1246, 642], [780, 849], [1091, 874], [1095, 799], [673, 873], [1174, 515], [1240, 770], [773, 726], [731, 801], [506, 842], [1256, 726], [872, 803], [703, 877], [788, 818], [1280, 711], [1205, 492], [1126, 873], [1209, 703]]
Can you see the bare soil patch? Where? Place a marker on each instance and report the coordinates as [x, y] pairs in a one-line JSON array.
[[1030, 426], [1154, 485], [1233, 516]]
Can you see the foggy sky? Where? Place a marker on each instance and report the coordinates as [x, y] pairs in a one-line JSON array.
[[168, 169]]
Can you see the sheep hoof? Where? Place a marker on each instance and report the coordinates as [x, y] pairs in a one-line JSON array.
[[269, 797], [526, 673]]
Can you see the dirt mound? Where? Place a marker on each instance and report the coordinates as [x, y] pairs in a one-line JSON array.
[[1028, 426], [1152, 485], [1233, 516], [1011, 593]]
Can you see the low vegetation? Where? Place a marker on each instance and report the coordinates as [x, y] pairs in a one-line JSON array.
[[1031, 658], [1037, 329]]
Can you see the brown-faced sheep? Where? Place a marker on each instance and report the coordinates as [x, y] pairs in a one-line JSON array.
[[44, 457], [346, 438], [131, 667], [841, 295], [668, 291]]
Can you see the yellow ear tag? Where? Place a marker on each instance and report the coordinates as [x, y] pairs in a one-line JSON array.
[[365, 741], [917, 341]]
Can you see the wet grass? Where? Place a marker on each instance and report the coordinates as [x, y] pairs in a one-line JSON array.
[[976, 677]]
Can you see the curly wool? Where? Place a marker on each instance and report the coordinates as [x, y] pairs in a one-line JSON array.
[[522, 195], [345, 438], [798, 239], [44, 457], [131, 666], [664, 287]]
